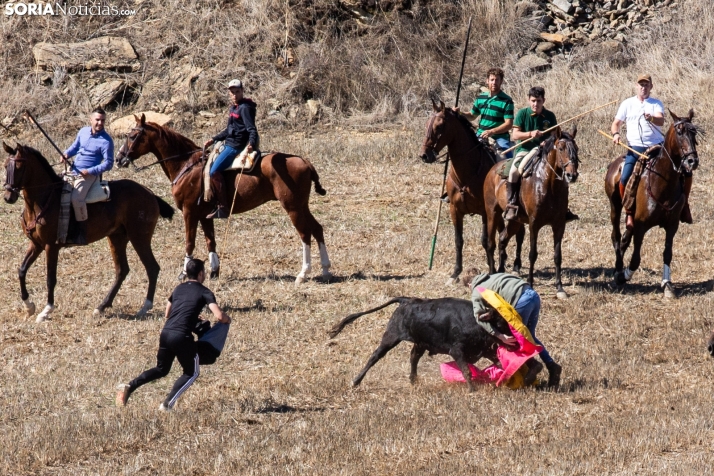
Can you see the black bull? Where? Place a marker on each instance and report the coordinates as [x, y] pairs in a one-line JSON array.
[[439, 326]]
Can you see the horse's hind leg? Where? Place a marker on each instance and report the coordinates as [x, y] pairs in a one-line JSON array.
[[117, 245], [142, 246], [520, 236], [318, 233], [457, 219], [31, 255], [667, 258], [210, 234], [616, 236], [301, 222]]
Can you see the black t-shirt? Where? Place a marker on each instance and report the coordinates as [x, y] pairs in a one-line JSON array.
[[187, 302]]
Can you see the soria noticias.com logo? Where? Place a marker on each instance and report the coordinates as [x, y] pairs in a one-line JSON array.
[[64, 8]]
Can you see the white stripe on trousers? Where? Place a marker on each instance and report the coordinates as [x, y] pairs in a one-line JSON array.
[[172, 402]]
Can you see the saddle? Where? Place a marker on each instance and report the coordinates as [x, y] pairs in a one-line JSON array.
[[100, 192], [505, 167], [246, 162], [628, 201]]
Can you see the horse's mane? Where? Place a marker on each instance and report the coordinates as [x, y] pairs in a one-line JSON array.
[[463, 121], [54, 177], [173, 137]]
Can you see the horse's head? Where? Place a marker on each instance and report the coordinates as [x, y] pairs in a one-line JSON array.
[[685, 134], [15, 167], [136, 143], [438, 133], [566, 151]]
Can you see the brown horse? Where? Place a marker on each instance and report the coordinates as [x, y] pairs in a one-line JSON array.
[[130, 216], [471, 160], [544, 196], [659, 200], [279, 176]]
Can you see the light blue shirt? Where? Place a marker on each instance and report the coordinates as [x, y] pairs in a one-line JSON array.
[[95, 152]]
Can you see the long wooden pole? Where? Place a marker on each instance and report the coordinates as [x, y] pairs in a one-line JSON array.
[[558, 125], [446, 162], [623, 145]]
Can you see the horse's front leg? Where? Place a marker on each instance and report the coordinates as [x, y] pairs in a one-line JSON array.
[[558, 233], [533, 254], [33, 251], [639, 235], [457, 219], [667, 258], [504, 237], [616, 237], [190, 223], [210, 234], [52, 255], [491, 247]]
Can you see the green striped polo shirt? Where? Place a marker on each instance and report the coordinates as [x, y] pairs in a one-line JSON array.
[[494, 110]]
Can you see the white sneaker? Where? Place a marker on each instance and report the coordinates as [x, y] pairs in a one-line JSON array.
[[163, 408], [122, 394]]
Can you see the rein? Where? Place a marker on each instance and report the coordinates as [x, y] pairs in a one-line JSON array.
[[144, 167]]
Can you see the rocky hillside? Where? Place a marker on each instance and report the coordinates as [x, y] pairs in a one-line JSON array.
[[304, 61]]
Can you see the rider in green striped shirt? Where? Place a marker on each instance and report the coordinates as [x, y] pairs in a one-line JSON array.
[[496, 110]]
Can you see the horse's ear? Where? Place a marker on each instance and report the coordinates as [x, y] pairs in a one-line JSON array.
[[558, 134], [674, 116], [442, 106], [574, 131], [143, 119], [8, 149], [691, 115], [137, 119]]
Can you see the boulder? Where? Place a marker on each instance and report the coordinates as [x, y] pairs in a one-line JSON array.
[[106, 52], [564, 5], [123, 125], [117, 91], [533, 63], [313, 107], [556, 38], [545, 47]]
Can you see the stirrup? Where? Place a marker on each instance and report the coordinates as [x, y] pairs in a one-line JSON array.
[[219, 212]]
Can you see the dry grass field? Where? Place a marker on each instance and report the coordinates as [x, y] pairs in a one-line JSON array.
[[636, 394], [636, 390]]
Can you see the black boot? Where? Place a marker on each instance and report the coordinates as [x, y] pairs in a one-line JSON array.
[[513, 190], [219, 197], [80, 238], [534, 368], [554, 371]]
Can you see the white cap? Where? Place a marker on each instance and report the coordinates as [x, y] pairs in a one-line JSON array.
[[235, 83]]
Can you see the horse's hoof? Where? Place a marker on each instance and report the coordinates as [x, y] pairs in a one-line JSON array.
[[561, 295], [620, 279], [148, 306], [669, 292], [97, 313], [451, 281], [215, 274], [299, 280], [326, 276], [29, 308], [42, 317]]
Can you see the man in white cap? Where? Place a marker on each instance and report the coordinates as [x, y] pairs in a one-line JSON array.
[[644, 116], [239, 134]]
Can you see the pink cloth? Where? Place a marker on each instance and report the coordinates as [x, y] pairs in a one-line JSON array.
[[510, 362]]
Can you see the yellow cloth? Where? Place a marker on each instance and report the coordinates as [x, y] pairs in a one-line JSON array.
[[507, 312]]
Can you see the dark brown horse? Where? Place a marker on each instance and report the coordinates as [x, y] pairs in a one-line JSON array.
[[130, 216], [544, 199], [659, 200], [279, 176], [470, 160]]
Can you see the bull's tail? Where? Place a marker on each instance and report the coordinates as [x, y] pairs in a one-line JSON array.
[[353, 317], [165, 210], [315, 178]]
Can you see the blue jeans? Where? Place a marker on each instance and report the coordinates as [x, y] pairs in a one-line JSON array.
[[224, 159], [528, 307], [630, 161], [504, 144]]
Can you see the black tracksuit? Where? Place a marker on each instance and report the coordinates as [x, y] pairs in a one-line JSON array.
[[176, 340], [241, 129]]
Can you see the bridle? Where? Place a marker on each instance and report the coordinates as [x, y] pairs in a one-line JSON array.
[[127, 154], [10, 174], [572, 156]]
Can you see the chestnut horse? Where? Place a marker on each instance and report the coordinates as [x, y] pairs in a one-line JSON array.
[[130, 216], [470, 159], [544, 199], [659, 200], [279, 176]]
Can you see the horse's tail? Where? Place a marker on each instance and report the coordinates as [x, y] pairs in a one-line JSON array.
[[337, 328], [315, 178], [165, 210]]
